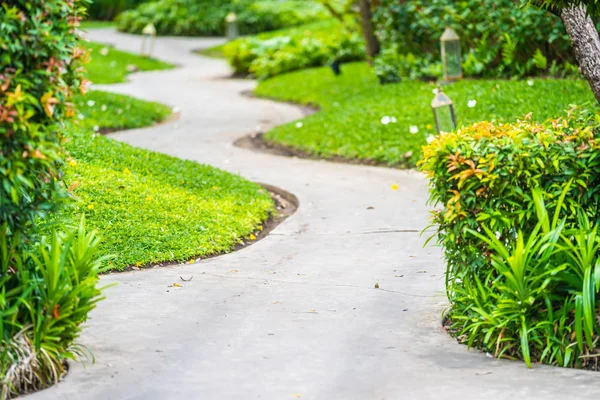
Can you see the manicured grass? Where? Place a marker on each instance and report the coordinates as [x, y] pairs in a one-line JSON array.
[[149, 207], [112, 66], [353, 105], [85, 25], [113, 111], [215, 51]]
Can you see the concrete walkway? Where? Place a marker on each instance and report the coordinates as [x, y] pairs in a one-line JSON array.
[[295, 315]]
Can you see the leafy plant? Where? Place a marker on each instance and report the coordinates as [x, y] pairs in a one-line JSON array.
[[207, 17], [518, 226], [498, 38], [307, 46]]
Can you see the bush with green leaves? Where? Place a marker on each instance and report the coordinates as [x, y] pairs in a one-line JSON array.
[[391, 66], [518, 223], [499, 38], [107, 10], [207, 17], [48, 285], [274, 53]]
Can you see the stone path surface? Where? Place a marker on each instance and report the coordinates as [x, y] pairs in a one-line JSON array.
[[295, 315]]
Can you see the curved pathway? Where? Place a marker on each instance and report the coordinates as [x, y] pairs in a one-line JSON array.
[[296, 315]]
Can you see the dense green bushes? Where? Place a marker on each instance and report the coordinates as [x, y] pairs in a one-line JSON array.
[[107, 10], [307, 46], [499, 39], [47, 284], [518, 224], [207, 17]]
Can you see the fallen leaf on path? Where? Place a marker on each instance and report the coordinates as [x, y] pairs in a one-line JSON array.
[[175, 285], [186, 280], [394, 187], [377, 286]]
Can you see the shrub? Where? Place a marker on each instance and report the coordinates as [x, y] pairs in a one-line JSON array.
[[518, 225], [107, 10], [48, 292], [206, 17], [307, 46], [499, 39], [47, 285], [391, 66]]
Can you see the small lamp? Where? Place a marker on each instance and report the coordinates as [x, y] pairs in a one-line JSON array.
[[148, 38], [232, 26], [443, 112], [451, 57]]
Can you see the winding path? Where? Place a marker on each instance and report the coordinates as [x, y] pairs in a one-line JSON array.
[[295, 315]]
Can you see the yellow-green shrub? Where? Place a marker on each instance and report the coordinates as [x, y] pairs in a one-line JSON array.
[[518, 225]]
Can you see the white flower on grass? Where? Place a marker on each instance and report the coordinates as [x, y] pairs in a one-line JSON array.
[[96, 128], [119, 111], [530, 82], [430, 138], [104, 51], [91, 103], [472, 103], [393, 120], [299, 125], [386, 120], [413, 129], [436, 91], [103, 108], [81, 116]]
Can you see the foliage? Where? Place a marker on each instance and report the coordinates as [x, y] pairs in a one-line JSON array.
[[38, 73], [391, 66], [307, 46], [110, 65], [518, 225], [107, 10], [207, 17], [353, 107], [47, 293], [499, 38], [592, 6]]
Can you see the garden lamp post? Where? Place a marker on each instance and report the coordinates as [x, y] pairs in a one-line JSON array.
[[232, 26], [443, 112], [148, 39], [451, 57]]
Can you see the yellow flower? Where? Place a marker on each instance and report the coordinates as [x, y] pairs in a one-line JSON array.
[[252, 237], [90, 207], [72, 163], [126, 171]]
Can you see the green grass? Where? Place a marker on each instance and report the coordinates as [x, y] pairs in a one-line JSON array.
[[112, 111], [86, 25], [109, 65], [149, 207], [353, 105], [214, 51]]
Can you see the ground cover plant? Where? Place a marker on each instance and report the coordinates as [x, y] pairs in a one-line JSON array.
[[360, 119], [499, 38], [315, 44], [48, 282], [518, 222], [110, 65], [207, 17]]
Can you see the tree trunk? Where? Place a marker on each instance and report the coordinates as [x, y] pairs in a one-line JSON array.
[[368, 28], [586, 43]]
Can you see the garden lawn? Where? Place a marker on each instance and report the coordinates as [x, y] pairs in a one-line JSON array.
[[351, 123], [151, 208], [85, 25], [111, 111], [109, 65]]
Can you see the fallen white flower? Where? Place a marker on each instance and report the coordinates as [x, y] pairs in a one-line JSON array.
[[386, 120], [414, 129], [430, 138], [472, 103], [298, 125]]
